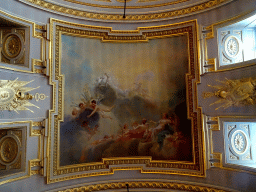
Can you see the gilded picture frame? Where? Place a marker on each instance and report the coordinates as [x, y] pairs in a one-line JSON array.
[[145, 164]]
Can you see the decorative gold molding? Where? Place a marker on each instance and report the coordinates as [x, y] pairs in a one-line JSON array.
[[35, 163], [38, 65], [117, 17], [147, 185], [40, 134], [41, 34], [128, 7], [196, 168], [146, 1], [217, 157], [40, 27], [211, 65]]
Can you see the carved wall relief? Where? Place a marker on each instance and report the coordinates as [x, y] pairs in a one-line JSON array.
[[233, 93], [12, 45], [12, 150], [239, 138], [14, 95], [230, 47], [9, 149]]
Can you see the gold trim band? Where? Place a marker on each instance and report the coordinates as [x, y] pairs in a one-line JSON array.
[[146, 184], [128, 7], [117, 17]]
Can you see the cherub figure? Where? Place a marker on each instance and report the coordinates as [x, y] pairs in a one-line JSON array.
[[100, 109]]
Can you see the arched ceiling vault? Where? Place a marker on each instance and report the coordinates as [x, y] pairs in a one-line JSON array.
[[161, 100], [136, 11]]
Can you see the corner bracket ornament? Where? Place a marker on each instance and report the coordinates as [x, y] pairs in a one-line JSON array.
[[14, 95], [214, 158], [233, 93]]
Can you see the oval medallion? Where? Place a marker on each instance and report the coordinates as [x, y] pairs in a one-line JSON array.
[[8, 149], [232, 46], [239, 142], [12, 46]]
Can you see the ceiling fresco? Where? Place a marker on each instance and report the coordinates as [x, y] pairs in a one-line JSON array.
[[155, 108], [112, 108]]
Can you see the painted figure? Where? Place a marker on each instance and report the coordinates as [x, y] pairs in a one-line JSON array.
[[100, 109]]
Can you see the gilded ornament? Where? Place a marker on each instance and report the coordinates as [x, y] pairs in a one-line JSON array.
[[146, 184], [4, 59], [18, 133], [12, 46], [8, 149], [6, 31], [21, 60], [117, 17], [17, 164], [40, 96], [21, 32], [128, 7], [234, 92], [2, 133], [13, 96]]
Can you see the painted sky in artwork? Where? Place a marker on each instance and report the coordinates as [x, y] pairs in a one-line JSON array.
[[159, 65], [137, 81]]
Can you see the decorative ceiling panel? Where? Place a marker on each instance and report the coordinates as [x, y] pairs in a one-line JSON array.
[[113, 111], [113, 11]]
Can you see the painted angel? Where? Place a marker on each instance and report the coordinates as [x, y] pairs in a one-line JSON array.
[[100, 109]]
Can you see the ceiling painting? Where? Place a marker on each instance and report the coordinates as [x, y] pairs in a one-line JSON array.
[[118, 100], [134, 108], [126, 103]]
